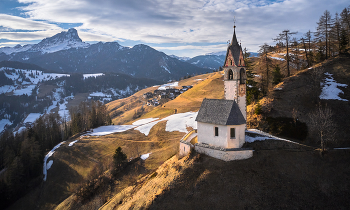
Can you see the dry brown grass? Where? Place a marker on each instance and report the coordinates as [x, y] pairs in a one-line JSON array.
[[298, 94]]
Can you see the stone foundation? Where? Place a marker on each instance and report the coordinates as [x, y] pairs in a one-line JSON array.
[[224, 153]]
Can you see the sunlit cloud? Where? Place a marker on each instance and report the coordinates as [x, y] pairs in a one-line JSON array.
[[174, 21]]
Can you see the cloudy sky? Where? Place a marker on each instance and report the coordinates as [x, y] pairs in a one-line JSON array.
[[180, 27]]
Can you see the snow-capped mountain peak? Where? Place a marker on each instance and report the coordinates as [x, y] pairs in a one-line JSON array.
[[15, 49], [180, 58], [60, 41], [217, 53]]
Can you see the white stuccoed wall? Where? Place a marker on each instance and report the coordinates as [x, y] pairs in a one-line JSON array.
[[206, 134], [184, 149], [231, 89], [240, 136], [225, 155]]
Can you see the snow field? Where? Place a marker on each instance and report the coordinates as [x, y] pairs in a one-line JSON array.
[[179, 122], [109, 129], [3, 123], [146, 128], [32, 117], [330, 90], [144, 121], [176, 122], [93, 75], [168, 85]]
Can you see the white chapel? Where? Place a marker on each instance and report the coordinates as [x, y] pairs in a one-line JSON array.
[[221, 123]]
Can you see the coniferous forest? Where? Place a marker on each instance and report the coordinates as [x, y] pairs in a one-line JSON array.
[[21, 155]]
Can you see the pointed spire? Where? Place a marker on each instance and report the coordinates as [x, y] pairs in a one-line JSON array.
[[234, 39]]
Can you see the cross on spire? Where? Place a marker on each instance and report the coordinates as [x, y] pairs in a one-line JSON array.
[[234, 21]]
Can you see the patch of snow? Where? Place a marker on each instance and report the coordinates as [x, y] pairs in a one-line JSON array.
[[145, 156], [146, 128], [196, 62], [49, 164], [19, 130], [47, 157], [7, 89], [198, 79], [265, 136], [3, 123], [100, 94], [72, 143], [176, 122], [26, 91], [144, 121], [168, 85], [330, 90], [32, 117], [92, 75], [277, 58], [166, 69], [256, 138], [109, 129]]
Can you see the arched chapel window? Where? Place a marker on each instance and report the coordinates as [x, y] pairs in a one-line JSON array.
[[242, 75], [230, 75]]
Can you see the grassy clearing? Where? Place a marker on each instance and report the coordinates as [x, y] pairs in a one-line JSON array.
[[45, 90]]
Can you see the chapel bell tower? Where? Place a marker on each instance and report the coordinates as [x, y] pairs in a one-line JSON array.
[[235, 74]]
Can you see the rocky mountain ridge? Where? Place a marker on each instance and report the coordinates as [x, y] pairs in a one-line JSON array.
[[66, 53]]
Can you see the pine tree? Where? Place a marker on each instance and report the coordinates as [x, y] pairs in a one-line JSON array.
[[277, 76], [252, 89], [266, 61], [345, 21], [119, 159], [344, 41], [323, 31]]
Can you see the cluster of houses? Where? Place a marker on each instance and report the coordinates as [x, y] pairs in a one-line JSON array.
[[162, 93]]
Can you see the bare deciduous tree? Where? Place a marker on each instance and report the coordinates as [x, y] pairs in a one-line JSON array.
[[322, 125], [285, 36]]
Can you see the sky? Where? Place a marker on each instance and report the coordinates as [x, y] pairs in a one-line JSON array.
[[180, 27]]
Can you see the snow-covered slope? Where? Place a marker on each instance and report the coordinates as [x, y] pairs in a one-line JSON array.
[[62, 41], [180, 58], [15, 49]]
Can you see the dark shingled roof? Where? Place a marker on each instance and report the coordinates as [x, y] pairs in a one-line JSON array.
[[220, 112], [235, 49]]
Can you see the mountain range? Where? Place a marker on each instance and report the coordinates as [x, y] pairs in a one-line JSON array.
[[67, 53]]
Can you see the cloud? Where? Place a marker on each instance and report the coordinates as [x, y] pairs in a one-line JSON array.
[[35, 35], [19, 23], [180, 21]]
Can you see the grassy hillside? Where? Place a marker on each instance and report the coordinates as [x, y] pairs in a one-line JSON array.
[[274, 177], [271, 179], [298, 93], [74, 165], [306, 179], [206, 85]]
